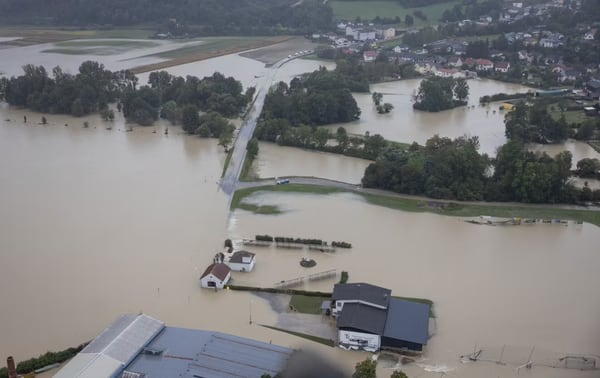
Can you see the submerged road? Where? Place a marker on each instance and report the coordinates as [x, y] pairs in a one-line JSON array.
[[232, 174]]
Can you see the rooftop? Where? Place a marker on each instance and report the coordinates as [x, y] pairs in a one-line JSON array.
[[238, 256], [364, 292], [218, 270], [114, 348], [407, 321], [362, 317], [188, 353]]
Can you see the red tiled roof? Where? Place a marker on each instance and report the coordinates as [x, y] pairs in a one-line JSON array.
[[218, 270]]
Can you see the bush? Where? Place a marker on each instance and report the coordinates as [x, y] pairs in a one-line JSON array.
[[267, 238], [341, 244], [344, 277]]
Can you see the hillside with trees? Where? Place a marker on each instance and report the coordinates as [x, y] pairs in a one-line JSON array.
[[199, 17]]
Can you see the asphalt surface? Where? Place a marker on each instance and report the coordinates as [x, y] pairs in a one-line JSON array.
[[232, 174]]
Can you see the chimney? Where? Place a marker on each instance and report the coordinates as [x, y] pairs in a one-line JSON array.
[[10, 365]]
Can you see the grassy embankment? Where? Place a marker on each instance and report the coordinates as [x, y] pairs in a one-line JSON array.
[[413, 205], [33, 35], [321, 340], [595, 144], [350, 10], [212, 47]]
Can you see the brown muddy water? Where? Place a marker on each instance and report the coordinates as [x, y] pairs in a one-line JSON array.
[[98, 222], [404, 124], [276, 161], [578, 149]]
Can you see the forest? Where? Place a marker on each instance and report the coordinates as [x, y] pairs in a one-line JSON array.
[[199, 17], [441, 93]]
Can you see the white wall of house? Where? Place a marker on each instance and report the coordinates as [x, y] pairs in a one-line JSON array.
[[359, 339], [243, 266], [211, 281]]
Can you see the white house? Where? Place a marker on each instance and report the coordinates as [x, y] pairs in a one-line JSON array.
[[215, 276], [369, 56], [242, 261], [455, 61], [502, 67], [591, 35], [386, 33], [483, 65]]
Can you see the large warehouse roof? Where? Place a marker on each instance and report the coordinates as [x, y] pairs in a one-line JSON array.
[[187, 353], [114, 348]]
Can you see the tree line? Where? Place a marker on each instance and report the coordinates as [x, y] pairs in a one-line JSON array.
[[454, 169], [177, 99], [534, 124], [202, 17]]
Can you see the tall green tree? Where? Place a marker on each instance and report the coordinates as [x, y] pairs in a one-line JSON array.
[[365, 369]]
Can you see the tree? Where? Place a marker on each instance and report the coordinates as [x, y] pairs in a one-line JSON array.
[[190, 118], [376, 98], [587, 167], [365, 369], [226, 138], [398, 374], [461, 90], [252, 148], [435, 94], [320, 137], [385, 108], [341, 137], [409, 20]]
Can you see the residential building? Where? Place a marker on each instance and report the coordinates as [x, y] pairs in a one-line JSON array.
[[401, 48], [502, 67], [590, 35], [483, 65], [241, 261], [215, 276], [137, 346], [455, 61], [370, 56], [368, 318], [385, 33], [448, 72]]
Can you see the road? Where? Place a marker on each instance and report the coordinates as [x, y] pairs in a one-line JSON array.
[[232, 174]]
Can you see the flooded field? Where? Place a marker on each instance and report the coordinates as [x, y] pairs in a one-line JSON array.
[[404, 124], [98, 222], [275, 161], [492, 286], [579, 150]]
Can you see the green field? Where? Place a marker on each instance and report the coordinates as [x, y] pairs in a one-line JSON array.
[[306, 304], [350, 10], [99, 46], [211, 44], [453, 209]]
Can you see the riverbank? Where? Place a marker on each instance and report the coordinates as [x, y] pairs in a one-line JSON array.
[[423, 204]]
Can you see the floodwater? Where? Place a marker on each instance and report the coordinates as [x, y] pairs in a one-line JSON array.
[[404, 124], [113, 57], [579, 150], [518, 286], [98, 222], [276, 161]]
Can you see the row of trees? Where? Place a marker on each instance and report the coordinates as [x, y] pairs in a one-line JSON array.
[[88, 91], [208, 17], [440, 93], [454, 169]]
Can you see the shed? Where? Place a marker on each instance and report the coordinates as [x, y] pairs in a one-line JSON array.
[[215, 276], [242, 261]]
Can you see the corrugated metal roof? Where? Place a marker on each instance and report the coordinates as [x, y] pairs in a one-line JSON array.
[[408, 321], [191, 353], [114, 348]]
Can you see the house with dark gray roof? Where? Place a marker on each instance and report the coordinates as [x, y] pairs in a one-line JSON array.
[[369, 318], [367, 294]]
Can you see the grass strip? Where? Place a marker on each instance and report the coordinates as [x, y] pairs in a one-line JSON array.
[[422, 205], [307, 305], [227, 160], [261, 209], [316, 339]]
